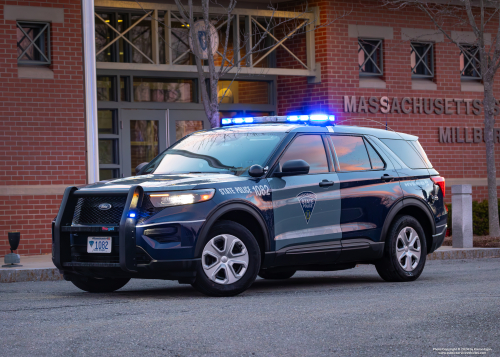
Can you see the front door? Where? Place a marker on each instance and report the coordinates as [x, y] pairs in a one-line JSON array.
[[307, 207], [144, 137]]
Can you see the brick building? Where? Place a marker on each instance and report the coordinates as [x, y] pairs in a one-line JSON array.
[[42, 128], [138, 91]]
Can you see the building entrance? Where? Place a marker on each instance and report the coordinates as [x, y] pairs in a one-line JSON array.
[[146, 133]]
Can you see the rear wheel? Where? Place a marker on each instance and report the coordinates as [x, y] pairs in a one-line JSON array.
[[94, 285], [230, 260], [404, 252], [276, 274]]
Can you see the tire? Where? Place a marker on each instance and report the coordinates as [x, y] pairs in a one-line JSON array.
[[398, 243], [230, 260], [94, 285], [272, 274]]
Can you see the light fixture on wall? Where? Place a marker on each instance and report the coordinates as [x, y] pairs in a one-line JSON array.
[[226, 95]]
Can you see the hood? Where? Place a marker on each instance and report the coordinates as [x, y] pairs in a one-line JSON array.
[[154, 183]]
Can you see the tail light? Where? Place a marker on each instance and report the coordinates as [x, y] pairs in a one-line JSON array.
[[438, 180]]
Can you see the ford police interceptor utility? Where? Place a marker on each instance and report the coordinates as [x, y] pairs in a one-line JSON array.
[[259, 196]]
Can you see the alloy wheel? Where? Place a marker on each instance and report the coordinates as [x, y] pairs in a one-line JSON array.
[[408, 249], [225, 259]]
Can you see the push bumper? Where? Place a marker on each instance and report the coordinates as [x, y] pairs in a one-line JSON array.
[[132, 261]]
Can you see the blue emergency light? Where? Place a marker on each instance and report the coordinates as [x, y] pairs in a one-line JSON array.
[[312, 119]]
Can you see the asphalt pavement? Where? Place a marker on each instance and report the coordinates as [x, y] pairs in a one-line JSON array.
[[455, 304]]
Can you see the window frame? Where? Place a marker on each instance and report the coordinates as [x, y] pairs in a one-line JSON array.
[[380, 65], [329, 159], [469, 61], [43, 36], [366, 142], [420, 59]]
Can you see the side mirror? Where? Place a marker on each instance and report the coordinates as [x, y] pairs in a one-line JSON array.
[[256, 171], [294, 167], [140, 167]]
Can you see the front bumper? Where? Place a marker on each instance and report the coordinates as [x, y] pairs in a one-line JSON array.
[[129, 260]]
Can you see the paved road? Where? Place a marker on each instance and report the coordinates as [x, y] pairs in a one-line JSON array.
[[454, 304]]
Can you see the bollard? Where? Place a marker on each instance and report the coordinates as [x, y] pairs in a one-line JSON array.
[[461, 208]]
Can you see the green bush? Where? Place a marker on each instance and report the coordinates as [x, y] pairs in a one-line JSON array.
[[480, 221]]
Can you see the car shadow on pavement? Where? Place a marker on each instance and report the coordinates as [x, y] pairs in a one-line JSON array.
[[294, 284]]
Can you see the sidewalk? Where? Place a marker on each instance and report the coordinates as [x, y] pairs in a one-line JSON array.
[[40, 267]]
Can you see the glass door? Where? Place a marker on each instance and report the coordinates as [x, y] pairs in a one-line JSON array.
[[144, 137], [185, 122]]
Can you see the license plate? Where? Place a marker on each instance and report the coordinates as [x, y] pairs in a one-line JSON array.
[[99, 245]]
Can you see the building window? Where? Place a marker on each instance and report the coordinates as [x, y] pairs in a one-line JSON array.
[[422, 60], [243, 92], [164, 90], [109, 158], [33, 43], [370, 57], [470, 66]]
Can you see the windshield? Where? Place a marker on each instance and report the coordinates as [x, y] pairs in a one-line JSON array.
[[216, 152]]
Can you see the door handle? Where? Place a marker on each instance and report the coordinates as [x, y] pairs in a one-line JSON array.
[[387, 177], [326, 183]]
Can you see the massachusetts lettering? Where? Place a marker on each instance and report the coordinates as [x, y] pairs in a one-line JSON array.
[[414, 105]]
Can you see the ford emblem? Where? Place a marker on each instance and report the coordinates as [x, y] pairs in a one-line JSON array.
[[104, 206]]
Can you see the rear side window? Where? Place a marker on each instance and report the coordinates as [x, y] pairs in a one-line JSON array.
[[406, 152], [421, 151], [309, 148], [351, 153], [377, 162]]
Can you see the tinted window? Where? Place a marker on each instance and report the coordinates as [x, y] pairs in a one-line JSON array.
[[309, 148], [377, 162], [351, 153], [406, 153], [421, 151]]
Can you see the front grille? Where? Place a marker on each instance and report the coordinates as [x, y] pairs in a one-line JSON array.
[[148, 210], [87, 210]]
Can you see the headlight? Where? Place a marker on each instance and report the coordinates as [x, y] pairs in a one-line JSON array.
[[181, 198]]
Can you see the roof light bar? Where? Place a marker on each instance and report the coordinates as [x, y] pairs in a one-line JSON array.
[[313, 119]]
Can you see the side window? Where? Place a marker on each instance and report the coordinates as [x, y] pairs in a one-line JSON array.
[[406, 153], [309, 148], [351, 153], [377, 162]]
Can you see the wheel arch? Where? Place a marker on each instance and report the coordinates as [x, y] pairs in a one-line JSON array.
[[415, 208], [241, 212]]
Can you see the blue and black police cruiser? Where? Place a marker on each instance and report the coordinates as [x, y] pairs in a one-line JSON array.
[[259, 196]]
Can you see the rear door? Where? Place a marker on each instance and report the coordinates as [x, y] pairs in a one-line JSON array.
[[414, 174], [368, 189], [306, 208]]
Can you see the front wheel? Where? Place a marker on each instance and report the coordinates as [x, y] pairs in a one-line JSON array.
[[230, 260], [404, 252], [94, 285]]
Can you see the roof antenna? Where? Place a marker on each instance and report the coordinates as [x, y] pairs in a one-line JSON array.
[[385, 124]]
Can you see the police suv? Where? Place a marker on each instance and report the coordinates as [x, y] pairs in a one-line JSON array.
[[259, 196]]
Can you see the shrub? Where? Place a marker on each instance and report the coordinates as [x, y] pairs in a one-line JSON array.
[[480, 220]]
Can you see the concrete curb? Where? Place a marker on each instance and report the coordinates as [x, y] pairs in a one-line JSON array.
[[12, 275], [445, 253]]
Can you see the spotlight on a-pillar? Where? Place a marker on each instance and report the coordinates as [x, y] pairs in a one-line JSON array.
[[12, 260]]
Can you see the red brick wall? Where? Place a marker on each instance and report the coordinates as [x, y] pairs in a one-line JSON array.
[[42, 132], [337, 54]]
